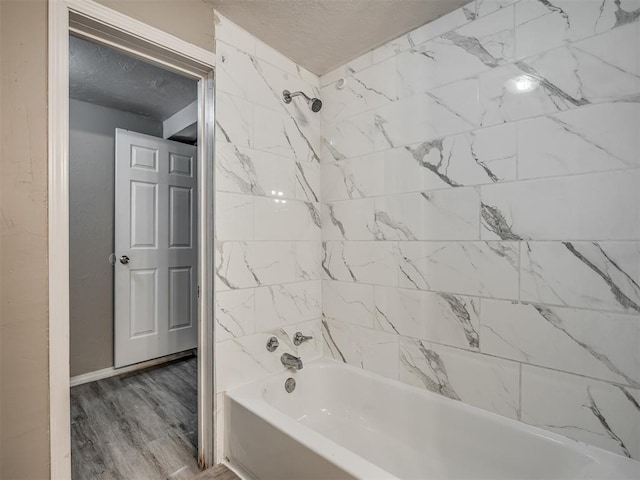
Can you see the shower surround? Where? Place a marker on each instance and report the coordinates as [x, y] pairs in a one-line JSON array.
[[479, 213]]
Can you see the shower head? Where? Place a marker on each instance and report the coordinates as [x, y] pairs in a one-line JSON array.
[[315, 104]]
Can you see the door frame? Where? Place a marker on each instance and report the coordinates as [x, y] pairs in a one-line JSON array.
[[94, 21]]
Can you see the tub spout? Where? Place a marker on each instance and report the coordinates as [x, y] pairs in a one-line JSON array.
[[291, 361]]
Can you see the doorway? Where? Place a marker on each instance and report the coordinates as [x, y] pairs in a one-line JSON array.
[[133, 219], [133, 262], [92, 21]]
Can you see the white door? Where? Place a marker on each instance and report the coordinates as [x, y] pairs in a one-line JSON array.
[[155, 248]]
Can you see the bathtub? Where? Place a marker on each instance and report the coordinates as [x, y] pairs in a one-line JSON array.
[[344, 423]]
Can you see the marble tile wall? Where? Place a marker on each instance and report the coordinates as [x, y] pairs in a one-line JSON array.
[[480, 213], [267, 212]]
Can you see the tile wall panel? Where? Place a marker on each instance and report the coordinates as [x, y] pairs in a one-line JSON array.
[[480, 215], [268, 212]]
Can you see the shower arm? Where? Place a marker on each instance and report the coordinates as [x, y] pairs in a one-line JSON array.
[[287, 96]]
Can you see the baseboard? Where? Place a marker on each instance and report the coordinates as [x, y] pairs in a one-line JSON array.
[[112, 372], [240, 472]]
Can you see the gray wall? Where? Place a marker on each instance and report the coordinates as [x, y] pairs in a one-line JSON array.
[[91, 204]]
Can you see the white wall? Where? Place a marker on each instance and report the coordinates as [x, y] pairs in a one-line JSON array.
[[91, 228], [267, 211], [480, 213]]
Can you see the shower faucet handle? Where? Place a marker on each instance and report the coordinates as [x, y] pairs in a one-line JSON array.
[[298, 338], [272, 344]]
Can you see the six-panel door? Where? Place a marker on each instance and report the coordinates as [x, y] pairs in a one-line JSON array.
[[155, 248]]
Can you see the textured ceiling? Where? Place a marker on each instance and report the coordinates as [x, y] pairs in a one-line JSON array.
[[101, 75], [321, 35]]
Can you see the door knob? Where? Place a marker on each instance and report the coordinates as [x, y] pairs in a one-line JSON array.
[[124, 259]]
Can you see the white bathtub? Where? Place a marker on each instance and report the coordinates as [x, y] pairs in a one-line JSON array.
[[341, 422]]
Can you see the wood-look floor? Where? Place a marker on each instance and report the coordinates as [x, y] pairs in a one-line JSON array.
[[137, 426]]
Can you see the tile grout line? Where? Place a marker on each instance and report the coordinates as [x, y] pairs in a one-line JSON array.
[[520, 394]]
